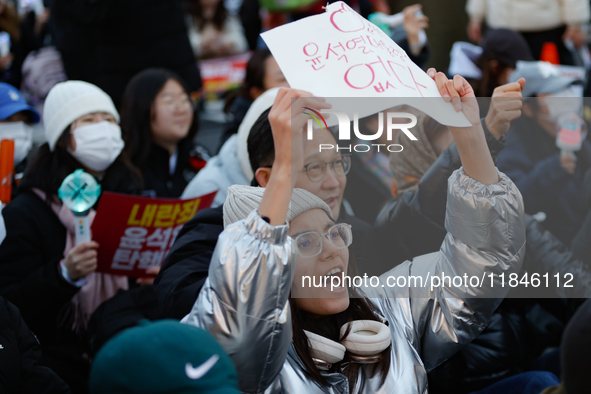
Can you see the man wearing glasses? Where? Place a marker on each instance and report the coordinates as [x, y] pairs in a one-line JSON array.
[[185, 269]]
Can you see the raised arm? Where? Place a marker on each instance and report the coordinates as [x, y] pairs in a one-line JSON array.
[[290, 141], [471, 143], [244, 302], [426, 205], [485, 238]]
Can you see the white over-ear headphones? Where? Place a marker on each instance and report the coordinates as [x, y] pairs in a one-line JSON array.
[[324, 351], [366, 341]]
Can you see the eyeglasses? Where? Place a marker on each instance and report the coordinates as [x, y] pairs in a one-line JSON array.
[[316, 170], [172, 103], [310, 244]]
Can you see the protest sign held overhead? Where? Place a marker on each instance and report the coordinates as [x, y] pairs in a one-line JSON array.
[[340, 54], [222, 75], [136, 233]]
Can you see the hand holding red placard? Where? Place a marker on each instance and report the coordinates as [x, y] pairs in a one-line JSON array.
[[136, 233]]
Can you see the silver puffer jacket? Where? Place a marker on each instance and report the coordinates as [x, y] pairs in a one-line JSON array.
[[244, 302]]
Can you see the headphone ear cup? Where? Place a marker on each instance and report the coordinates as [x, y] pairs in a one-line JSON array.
[[366, 337], [324, 349]]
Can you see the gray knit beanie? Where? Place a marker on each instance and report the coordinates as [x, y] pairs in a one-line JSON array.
[[242, 200]]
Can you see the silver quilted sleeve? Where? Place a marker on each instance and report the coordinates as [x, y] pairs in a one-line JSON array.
[[244, 302]]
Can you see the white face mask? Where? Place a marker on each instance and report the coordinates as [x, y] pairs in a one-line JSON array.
[[22, 135], [97, 145], [565, 102]]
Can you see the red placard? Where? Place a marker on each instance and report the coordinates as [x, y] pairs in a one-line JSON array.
[[135, 233], [223, 74]]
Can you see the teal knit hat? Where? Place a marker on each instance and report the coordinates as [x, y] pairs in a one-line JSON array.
[[163, 357]]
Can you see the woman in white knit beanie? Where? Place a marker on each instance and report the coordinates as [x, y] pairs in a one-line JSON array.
[[42, 271], [82, 131]]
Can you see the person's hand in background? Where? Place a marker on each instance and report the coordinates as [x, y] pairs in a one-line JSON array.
[[576, 34], [414, 22], [505, 107], [568, 161], [475, 31], [41, 20]]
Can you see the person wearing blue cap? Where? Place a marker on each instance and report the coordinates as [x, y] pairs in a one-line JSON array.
[[164, 357], [16, 118]]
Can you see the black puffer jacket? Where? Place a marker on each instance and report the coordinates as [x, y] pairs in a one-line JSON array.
[[547, 254], [413, 224], [158, 181], [521, 328], [581, 244], [21, 370], [31, 279], [186, 266]]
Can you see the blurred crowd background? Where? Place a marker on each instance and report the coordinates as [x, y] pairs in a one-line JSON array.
[[170, 98]]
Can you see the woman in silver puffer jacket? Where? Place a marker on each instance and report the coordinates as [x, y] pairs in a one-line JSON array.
[[255, 304]]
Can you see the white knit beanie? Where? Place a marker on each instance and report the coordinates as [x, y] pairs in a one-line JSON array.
[[260, 105], [242, 200], [68, 101]]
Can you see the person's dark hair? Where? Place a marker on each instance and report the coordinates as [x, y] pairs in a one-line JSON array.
[[136, 111], [360, 308], [49, 169], [433, 128], [502, 49], [492, 69], [261, 149], [219, 17], [254, 78]]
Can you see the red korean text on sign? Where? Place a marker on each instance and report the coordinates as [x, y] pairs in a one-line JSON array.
[[136, 233]]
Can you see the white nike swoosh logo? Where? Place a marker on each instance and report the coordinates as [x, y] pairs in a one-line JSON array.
[[200, 371]]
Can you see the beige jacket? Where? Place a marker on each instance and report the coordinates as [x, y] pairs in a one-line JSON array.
[[232, 35], [529, 15]]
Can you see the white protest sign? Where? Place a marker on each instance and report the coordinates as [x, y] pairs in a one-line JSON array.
[[340, 54]]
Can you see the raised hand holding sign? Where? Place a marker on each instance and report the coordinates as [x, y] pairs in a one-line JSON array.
[[340, 54]]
